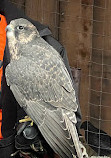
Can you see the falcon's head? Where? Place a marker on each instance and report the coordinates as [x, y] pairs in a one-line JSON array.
[[21, 31]]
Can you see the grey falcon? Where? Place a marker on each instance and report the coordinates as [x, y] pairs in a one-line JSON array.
[[42, 85]]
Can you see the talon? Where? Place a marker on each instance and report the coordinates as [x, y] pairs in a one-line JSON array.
[[26, 119]]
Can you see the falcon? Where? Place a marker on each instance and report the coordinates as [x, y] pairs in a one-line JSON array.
[[42, 86]]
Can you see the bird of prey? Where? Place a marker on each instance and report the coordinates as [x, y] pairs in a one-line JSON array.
[[97, 139], [42, 85]]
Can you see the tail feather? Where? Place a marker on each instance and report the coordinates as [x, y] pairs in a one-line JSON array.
[[72, 129]]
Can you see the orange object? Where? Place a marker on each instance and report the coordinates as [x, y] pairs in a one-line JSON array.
[[3, 25]]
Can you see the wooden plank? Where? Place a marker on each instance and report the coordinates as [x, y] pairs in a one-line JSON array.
[[34, 9], [44, 12], [75, 34]]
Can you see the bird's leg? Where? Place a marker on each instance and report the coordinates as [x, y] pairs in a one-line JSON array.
[[26, 119]]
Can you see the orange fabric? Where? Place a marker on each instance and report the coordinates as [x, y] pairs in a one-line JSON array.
[[3, 25]]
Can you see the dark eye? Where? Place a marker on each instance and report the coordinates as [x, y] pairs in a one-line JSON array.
[[20, 27]]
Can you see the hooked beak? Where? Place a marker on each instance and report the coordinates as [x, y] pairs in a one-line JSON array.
[[10, 31], [8, 28]]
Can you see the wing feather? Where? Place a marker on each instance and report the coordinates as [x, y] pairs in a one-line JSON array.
[[52, 127], [50, 123], [38, 84]]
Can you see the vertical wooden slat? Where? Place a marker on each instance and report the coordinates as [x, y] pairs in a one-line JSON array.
[[45, 12], [75, 34], [34, 9], [106, 83]]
